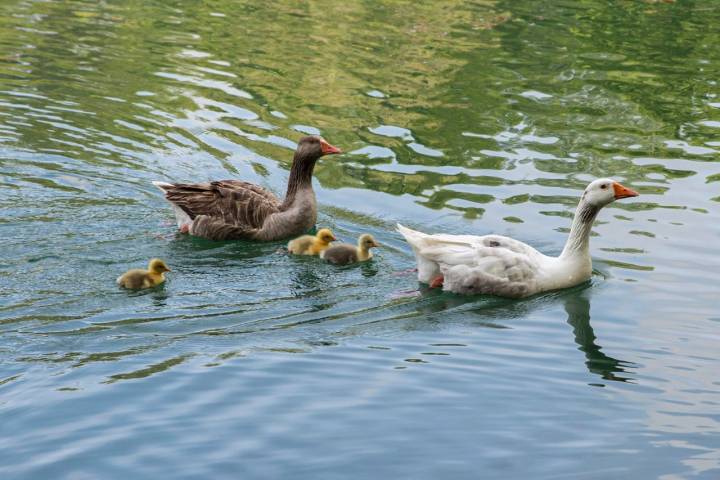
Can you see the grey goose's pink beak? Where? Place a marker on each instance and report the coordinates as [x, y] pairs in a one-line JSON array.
[[328, 149]]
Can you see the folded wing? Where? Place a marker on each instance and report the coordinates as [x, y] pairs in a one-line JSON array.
[[223, 210], [490, 264]]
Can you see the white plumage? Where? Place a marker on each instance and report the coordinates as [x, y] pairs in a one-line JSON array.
[[490, 264], [498, 265]]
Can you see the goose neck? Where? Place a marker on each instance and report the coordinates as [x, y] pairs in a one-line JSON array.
[[300, 176], [578, 242]]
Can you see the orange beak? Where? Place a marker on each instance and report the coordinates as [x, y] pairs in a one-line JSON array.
[[328, 149], [623, 192]]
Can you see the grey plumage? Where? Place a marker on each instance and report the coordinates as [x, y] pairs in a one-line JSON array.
[[342, 254], [345, 253], [233, 209], [588, 213]]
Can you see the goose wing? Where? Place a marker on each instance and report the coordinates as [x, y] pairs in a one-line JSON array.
[[490, 264], [231, 203], [493, 266]]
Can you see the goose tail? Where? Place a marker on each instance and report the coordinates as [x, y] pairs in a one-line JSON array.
[[413, 237], [163, 186], [181, 216], [427, 269]]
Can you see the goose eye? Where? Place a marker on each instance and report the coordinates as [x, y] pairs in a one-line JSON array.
[[603, 186]]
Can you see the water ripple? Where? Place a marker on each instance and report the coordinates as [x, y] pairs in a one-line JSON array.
[[473, 117]]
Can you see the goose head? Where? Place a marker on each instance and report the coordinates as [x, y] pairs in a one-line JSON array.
[[312, 147], [603, 191], [157, 266], [325, 236], [308, 151]]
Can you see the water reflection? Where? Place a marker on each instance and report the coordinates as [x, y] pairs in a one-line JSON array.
[[492, 312], [463, 116], [597, 362]]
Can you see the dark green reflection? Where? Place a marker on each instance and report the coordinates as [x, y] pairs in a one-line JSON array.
[[597, 362]]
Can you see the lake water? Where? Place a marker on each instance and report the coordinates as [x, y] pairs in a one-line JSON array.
[[462, 117]]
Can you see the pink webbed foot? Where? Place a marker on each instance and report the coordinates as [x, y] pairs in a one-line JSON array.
[[185, 228], [437, 282]]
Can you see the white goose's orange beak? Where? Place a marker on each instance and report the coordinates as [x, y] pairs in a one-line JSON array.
[[622, 191]]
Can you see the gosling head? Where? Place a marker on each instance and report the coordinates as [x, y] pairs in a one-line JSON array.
[[158, 266], [603, 191], [366, 242], [325, 235]]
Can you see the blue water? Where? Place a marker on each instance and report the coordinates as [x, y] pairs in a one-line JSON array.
[[488, 117]]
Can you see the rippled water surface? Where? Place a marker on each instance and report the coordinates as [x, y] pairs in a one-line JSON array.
[[478, 117]]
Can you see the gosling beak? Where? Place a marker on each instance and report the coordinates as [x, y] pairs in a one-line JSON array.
[[375, 244], [333, 239], [622, 191], [328, 149]]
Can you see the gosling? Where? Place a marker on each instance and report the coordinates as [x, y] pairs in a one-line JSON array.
[[139, 278], [344, 253], [311, 245]]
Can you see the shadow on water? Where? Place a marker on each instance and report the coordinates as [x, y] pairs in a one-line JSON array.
[[576, 303], [501, 313], [597, 362], [159, 294]]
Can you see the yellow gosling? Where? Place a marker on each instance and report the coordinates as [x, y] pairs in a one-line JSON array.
[[139, 278], [345, 253], [311, 245]]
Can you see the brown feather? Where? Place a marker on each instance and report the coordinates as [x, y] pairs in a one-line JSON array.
[[233, 209]]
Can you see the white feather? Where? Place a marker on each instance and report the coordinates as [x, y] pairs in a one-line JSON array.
[[490, 264], [427, 269], [497, 265], [161, 185], [182, 218]]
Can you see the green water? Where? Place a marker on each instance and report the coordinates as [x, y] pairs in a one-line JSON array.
[[465, 117]]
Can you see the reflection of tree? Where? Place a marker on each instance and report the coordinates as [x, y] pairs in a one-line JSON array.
[[286, 55], [597, 362], [627, 71], [205, 80]]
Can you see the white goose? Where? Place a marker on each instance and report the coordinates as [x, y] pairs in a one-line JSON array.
[[497, 265]]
